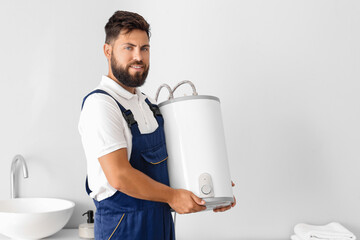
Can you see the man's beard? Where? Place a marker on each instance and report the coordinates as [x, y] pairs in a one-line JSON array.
[[123, 75]]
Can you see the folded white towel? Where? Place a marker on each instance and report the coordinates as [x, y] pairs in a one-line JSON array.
[[331, 231], [295, 237]]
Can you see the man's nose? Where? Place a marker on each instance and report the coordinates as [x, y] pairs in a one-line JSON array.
[[138, 56]]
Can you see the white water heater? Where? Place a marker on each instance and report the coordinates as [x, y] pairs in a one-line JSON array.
[[196, 147]]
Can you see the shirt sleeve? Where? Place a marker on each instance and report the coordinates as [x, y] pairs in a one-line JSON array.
[[101, 126]]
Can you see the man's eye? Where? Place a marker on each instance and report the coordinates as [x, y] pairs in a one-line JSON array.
[[128, 48], [145, 49]]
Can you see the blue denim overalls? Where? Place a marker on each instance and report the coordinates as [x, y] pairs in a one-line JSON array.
[[124, 217]]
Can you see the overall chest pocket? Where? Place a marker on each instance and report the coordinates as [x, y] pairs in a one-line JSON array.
[[155, 163], [155, 155]]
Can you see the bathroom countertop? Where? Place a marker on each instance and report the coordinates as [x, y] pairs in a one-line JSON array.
[[63, 234], [67, 234]]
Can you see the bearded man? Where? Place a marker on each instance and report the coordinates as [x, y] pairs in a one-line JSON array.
[[123, 138]]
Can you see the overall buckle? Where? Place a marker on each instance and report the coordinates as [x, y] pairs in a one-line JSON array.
[[129, 118], [156, 110]]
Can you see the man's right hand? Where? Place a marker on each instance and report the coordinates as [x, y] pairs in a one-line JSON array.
[[184, 201]]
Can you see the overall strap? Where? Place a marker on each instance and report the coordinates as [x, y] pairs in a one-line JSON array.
[[156, 111], [128, 116], [88, 190]]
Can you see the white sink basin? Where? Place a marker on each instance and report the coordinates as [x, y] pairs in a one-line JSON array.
[[33, 218]]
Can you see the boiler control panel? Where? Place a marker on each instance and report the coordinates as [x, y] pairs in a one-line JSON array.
[[206, 187]]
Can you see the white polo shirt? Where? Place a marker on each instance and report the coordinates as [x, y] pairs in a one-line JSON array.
[[103, 129]]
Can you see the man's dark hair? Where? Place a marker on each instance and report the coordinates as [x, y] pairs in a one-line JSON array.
[[123, 20]]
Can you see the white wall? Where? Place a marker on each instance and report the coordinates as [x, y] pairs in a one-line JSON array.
[[287, 74]]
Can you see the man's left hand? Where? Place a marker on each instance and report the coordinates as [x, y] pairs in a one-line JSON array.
[[223, 209]]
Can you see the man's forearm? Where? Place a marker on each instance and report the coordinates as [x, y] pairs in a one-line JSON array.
[[137, 184]]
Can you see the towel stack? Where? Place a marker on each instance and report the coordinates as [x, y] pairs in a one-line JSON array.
[[331, 231]]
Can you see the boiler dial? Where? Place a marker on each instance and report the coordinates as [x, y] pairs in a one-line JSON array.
[[206, 189]]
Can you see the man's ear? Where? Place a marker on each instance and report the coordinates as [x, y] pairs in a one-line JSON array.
[[107, 51]]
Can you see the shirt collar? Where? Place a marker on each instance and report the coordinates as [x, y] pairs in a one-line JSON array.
[[118, 89]]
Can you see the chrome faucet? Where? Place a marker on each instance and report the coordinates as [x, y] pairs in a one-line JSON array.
[[17, 158]]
